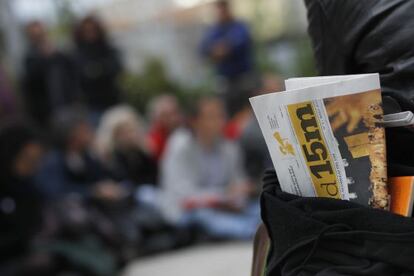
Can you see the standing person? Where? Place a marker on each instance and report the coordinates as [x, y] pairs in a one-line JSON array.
[[228, 45], [165, 116], [98, 65], [202, 178], [49, 79]]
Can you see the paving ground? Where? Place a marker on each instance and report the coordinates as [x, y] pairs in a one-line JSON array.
[[227, 259]]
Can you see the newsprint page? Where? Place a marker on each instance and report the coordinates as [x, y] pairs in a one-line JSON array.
[[324, 138]]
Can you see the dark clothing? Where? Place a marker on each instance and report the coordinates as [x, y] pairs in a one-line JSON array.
[[400, 146], [256, 154], [236, 36], [49, 83], [136, 166], [20, 204], [7, 97], [237, 91], [99, 67], [59, 177], [322, 236], [353, 36], [20, 217]]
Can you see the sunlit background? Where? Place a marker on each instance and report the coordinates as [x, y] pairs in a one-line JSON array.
[[143, 29], [159, 48]]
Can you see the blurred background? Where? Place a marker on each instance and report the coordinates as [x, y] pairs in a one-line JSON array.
[[127, 144]]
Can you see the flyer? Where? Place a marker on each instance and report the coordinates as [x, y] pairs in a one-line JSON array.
[[324, 137]]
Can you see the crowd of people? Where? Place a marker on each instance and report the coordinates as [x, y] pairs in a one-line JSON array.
[[88, 182]]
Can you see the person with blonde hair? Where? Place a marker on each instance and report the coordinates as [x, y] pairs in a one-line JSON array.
[[121, 145]]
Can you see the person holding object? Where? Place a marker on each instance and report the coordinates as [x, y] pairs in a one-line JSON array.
[[320, 236]]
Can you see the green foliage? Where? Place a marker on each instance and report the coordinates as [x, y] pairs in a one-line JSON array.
[[153, 81], [300, 63], [66, 18], [141, 88], [305, 65]]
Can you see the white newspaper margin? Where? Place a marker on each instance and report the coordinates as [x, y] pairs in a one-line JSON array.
[[315, 89]]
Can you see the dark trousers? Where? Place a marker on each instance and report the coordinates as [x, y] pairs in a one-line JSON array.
[[236, 91]]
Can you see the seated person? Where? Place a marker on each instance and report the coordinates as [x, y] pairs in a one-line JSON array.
[[202, 178], [122, 146], [20, 204], [165, 117], [72, 168]]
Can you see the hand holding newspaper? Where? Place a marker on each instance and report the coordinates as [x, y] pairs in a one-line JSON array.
[[324, 137]]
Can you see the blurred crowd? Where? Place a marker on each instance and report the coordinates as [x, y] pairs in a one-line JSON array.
[[88, 183]]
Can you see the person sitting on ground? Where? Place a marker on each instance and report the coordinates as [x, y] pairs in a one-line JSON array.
[[251, 138], [72, 168], [165, 116], [202, 178], [20, 203], [122, 146]]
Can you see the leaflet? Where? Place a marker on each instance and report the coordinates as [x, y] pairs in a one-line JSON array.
[[325, 139]]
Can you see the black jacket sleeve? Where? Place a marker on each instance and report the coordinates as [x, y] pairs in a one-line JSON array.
[[354, 36], [325, 237]]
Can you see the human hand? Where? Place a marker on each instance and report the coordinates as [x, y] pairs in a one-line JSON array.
[[241, 190], [109, 190], [203, 201], [220, 50]]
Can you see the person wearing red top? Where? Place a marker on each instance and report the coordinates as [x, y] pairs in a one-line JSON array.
[[165, 115]]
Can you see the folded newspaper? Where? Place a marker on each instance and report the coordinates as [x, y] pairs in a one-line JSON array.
[[325, 139]]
